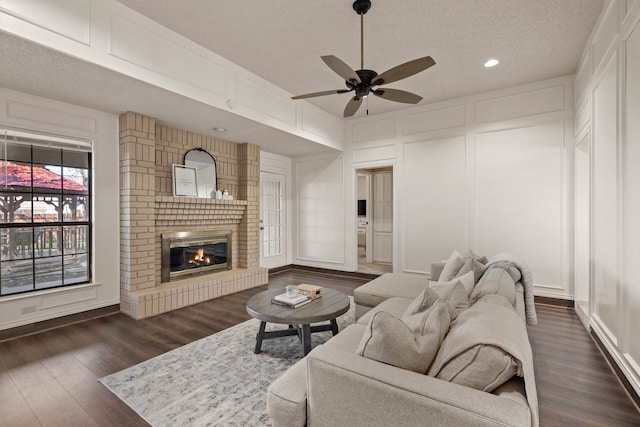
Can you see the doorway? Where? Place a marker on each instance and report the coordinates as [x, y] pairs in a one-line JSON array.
[[374, 213]]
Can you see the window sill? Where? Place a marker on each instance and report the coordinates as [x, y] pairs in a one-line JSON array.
[[43, 292]]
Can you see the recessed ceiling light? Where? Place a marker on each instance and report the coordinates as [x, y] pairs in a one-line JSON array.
[[491, 63], [219, 129]]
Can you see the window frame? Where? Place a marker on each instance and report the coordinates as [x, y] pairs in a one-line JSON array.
[[61, 226]]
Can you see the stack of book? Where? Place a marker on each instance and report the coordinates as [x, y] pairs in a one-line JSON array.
[[295, 302]]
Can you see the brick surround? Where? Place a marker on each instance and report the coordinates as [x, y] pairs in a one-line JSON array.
[[148, 209]]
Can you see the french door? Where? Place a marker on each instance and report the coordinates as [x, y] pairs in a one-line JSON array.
[[273, 221]]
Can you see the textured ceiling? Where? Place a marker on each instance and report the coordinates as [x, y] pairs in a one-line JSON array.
[[282, 41]]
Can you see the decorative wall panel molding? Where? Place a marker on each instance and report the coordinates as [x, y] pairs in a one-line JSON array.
[[70, 18], [256, 96], [19, 112], [320, 210], [442, 118], [374, 130], [519, 197], [156, 53], [519, 105], [369, 154], [434, 201]]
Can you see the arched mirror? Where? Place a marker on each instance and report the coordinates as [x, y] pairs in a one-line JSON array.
[[205, 166]]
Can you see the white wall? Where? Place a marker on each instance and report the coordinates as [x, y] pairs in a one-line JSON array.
[[26, 112], [490, 172], [608, 104]]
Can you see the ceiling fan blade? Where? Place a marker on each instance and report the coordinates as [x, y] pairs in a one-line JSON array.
[[340, 68], [323, 93], [397, 95], [352, 106], [404, 70]]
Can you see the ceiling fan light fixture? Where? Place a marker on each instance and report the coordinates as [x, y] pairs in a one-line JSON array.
[[491, 63]]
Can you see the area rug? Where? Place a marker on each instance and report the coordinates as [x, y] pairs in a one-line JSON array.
[[215, 381]]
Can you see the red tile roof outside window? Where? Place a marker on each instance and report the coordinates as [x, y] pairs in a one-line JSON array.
[[19, 175]]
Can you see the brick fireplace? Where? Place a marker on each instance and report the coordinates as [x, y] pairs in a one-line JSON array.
[[148, 209]]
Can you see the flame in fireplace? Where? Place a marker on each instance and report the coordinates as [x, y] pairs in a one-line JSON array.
[[200, 258]]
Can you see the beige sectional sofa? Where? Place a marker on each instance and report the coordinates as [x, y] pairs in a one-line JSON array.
[[339, 383]]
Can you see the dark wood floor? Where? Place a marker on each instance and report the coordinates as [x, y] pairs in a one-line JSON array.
[[50, 378]]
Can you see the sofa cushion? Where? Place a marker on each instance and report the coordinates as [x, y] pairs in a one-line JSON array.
[[410, 344], [495, 299], [389, 285], [495, 281], [436, 270], [470, 354], [454, 294]]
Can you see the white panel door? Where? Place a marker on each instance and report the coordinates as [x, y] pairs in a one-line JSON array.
[[273, 220], [519, 197], [383, 217]]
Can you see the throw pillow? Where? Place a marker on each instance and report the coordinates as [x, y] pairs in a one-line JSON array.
[[472, 265], [451, 267], [390, 340], [468, 281], [483, 367], [454, 294], [434, 321], [471, 254], [422, 302]]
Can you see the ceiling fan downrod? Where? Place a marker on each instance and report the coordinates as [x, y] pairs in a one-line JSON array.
[[361, 7]]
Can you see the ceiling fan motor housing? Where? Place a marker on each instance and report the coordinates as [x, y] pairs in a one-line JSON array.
[[363, 88], [361, 6]]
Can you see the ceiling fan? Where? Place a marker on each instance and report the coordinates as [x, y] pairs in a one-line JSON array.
[[363, 81]]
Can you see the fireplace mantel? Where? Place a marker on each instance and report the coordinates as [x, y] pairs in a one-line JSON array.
[[182, 210]]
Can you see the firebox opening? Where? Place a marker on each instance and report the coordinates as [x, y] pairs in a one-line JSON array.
[[187, 254]]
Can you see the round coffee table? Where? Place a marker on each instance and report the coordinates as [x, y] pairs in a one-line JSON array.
[[328, 307]]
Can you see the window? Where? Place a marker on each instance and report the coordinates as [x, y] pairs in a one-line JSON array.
[[45, 218]]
